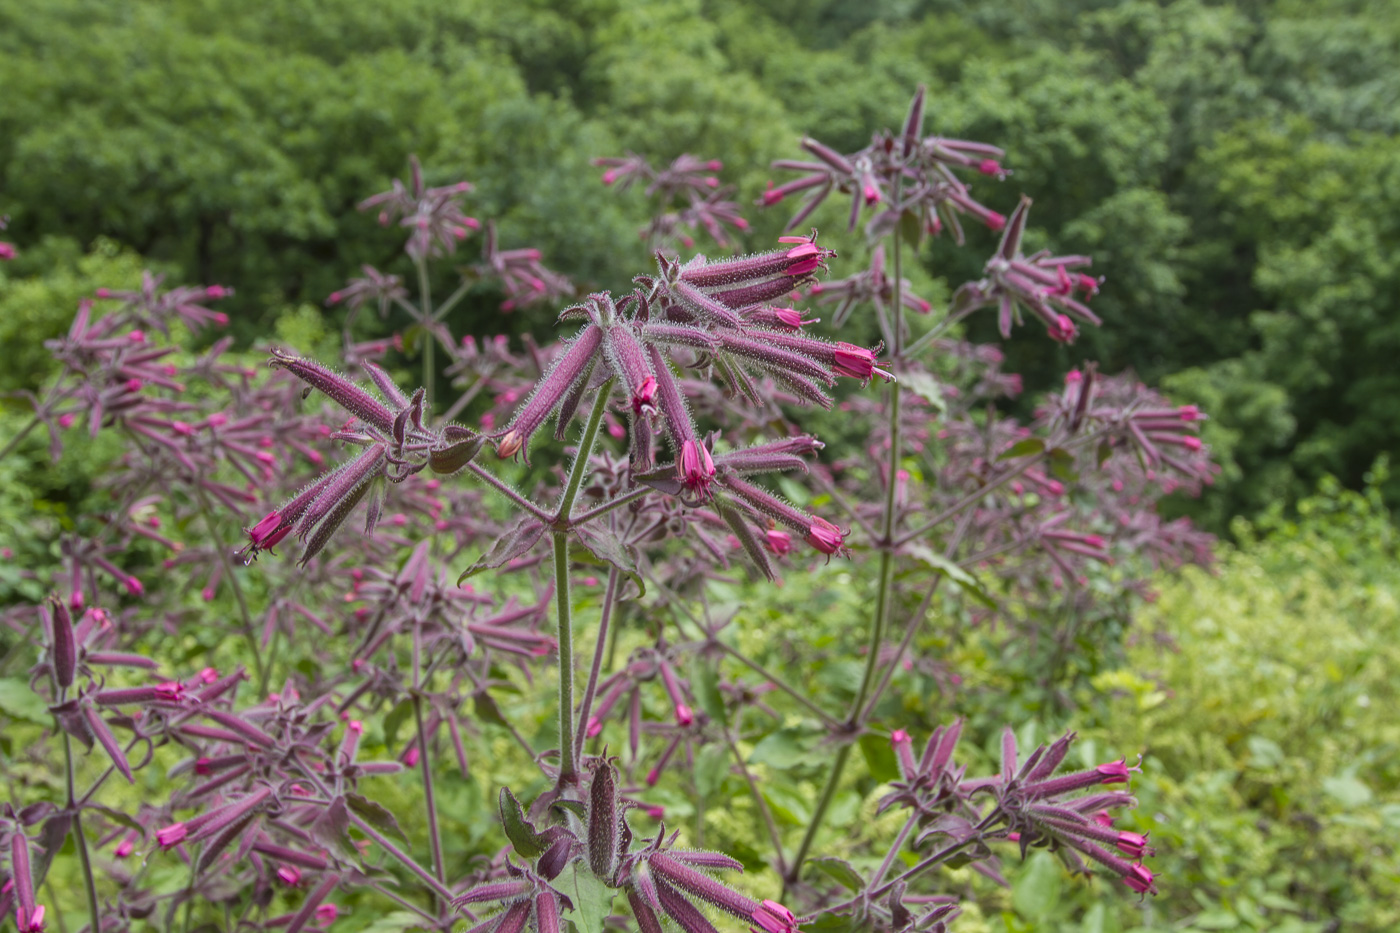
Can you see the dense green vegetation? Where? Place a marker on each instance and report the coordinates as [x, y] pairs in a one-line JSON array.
[[1231, 166]]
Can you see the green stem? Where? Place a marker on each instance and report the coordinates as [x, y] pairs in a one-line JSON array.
[[19, 438], [425, 298], [566, 657], [599, 648], [565, 633], [429, 798], [451, 301], [579, 469], [248, 633], [828, 794], [884, 595], [79, 838]]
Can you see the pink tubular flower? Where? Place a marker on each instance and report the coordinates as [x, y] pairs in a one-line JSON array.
[[1062, 330], [825, 537], [172, 835], [856, 362], [289, 875], [1140, 879], [1132, 844], [326, 914], [695, 467], [777, 541], [775, 918], [268, 532], [7, 251]]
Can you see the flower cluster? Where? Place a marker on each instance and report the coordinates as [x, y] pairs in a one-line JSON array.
[[689, 195], [896, 173]]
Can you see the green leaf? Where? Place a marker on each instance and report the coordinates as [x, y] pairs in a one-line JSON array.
[[711, 768], [374, 814], [965, 581], [592, 899], [487, 709], [17, 701], [924, 386], [519, 830], [1347, 790], [1036, 892], [513, 544], [704, 683], [786, 748], [1031, 445], [1062, 465], [841, 870], [879, 757], [116, 816], [395, 720], [395, 922], [607, 548], [911, 230]]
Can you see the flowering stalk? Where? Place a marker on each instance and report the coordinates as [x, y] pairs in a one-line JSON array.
[[567, 755]]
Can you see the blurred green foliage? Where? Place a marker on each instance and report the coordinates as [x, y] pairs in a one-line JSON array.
[[1231, 166]]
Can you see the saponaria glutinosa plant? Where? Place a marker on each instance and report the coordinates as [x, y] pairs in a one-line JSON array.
[[682, 398]]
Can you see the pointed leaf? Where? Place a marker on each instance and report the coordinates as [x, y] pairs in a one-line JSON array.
[[605, 546], [520, 831], [841, 870], [374, 814], [1031, 445], [965, 581], [513, 544]]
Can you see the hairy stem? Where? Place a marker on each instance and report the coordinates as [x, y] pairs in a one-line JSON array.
[[402, 857], [566, 657], [425, 298], [565, 634], [19, 438], [219, 545], [599, 649], [884, 595], [78, 837], [425, 763], [828, 794]]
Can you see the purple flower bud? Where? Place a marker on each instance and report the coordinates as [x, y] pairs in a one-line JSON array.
[[63, 646], [550, 391], [338, 388]]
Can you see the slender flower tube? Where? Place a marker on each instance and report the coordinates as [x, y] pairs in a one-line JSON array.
[[551, 390]]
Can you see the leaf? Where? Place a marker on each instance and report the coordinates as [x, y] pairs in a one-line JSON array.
[[513, 544], [911, 228], [395, 720], [604, 544], [711, 768], [1036, 893], [51, 839], [1347, 790], [783, 749], [522, 834], [1031, 445], [396, 922], [17, 701], [747, 539], [879, 757], [116, 816], [487, 709], [1062, 465], [332, 830], [841, 870], [924, 386], [704, 683], [592, 899], [965, 581], [374, 814]]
